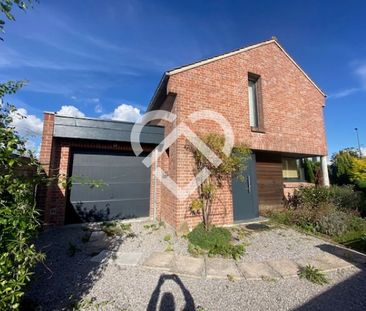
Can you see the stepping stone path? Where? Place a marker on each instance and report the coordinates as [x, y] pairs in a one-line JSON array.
[[220, 268]]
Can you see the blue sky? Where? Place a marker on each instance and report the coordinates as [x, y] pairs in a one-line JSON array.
[[106, 58]]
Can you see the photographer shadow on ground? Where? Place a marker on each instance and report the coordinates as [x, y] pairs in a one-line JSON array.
[[167, 302]]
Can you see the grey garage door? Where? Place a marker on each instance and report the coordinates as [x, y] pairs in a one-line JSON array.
[[109, 185]]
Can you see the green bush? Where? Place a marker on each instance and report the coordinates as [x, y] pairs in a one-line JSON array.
[[18, 216], [344, 197], [333, 211], [334, 224], [216, 241]]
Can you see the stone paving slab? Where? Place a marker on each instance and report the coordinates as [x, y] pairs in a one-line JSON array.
[[189, 266], [221, 268], [285, 267], [335, 262], [102, 257], [315, 262], [127, 259], [257, 271], [160, 260]]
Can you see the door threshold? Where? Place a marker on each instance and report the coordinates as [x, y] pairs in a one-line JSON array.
[[256, 220]]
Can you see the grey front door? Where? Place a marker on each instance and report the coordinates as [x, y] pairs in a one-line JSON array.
[[123, 186], [245, 197]]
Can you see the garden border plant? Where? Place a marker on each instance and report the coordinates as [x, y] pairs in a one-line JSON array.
[[333, 212], [205, 237]]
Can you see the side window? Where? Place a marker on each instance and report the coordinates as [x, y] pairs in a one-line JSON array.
[[255, 102]]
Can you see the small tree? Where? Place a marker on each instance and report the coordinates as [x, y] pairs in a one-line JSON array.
[[233, 164], [341, 166]]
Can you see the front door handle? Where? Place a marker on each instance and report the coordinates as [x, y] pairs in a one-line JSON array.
[[249, 184]]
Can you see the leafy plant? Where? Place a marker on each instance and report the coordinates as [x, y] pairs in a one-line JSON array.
[[112, 228], [233, 163], [313, 275], [215, 241], [18, 215], [195, 250], [167, 238], [154, 227], [6, 7]]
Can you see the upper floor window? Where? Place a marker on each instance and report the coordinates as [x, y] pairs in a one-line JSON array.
[[255, 102]]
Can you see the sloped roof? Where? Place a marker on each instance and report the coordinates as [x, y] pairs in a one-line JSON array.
[[183, 68]]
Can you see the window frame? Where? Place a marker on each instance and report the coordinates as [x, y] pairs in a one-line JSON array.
[[256, 79], [300, 170]]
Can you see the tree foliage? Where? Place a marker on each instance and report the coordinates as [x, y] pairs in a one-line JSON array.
[[18, 215], [232, 164], [348, 168], [6, 7], [341, 166], [358, 172], [309, 171]]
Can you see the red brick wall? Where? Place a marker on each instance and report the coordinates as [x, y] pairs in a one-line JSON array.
[[292, 112]]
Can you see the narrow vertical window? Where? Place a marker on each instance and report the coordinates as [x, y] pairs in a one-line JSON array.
[[255, 107]]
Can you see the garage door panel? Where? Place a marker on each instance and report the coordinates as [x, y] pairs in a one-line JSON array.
[[125, 188], [110, 191], [109, 210], [115, 174]]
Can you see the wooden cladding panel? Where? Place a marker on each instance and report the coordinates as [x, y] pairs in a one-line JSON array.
[[269, 179]]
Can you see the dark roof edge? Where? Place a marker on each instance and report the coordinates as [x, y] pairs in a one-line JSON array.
[[101, 120], [162, 83]]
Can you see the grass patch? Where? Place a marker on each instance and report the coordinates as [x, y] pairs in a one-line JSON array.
[[215, 241], [112, 228], [169, 248], [154, 226], [313, 275], [167, 238]]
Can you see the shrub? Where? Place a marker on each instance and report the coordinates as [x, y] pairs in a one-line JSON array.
[[18, 215], [334, 224], [344, 197], [215, 240]]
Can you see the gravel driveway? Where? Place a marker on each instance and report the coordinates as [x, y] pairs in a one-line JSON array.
[[74, 282]]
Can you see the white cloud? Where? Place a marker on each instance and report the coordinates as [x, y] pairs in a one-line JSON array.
[[70, 111], [359, 69], [344, 93], [27, 124], [361, 72], [98, 108], [124, 112]]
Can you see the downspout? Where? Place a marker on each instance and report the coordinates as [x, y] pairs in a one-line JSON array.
[[155, 155]]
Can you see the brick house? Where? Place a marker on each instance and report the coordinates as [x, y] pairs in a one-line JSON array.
[[271, 104]]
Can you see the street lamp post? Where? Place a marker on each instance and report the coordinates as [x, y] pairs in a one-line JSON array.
[[358, 142]]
